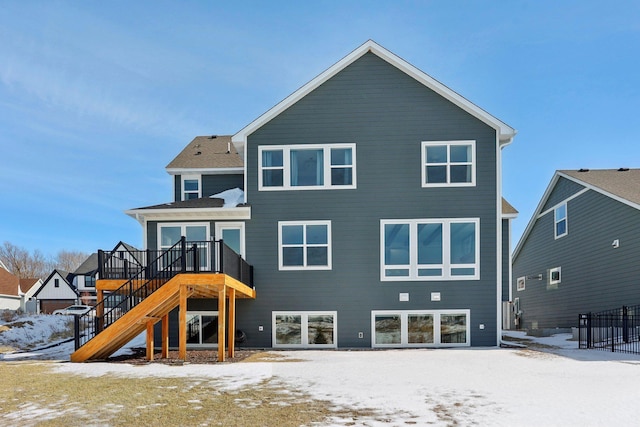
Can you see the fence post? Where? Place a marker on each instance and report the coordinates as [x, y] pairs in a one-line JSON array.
[[101, 264], [625, 324], [183, 252], [76, 331], [221, 256], [589, 330], [196, 258]]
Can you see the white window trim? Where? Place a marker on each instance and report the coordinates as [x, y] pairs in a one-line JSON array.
[[404, 334], [184, 178], [423, 162], [304, 329], [521, 283], [281, 265], [556, 221], [203, 313], [446, 250], [554, 270], [231, 226], [286, 166]]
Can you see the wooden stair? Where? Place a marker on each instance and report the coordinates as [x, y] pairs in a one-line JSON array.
[[132, 323]]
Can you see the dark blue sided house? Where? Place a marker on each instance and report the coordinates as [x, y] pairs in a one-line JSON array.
[[368, 204], [579, 251]]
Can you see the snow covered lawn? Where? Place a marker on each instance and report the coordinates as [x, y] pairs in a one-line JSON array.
[[561, 386]]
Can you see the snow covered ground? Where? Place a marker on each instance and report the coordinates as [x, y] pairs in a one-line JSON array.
[[562, 386]]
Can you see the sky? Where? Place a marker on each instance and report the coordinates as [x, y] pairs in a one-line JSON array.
[[96, 98]]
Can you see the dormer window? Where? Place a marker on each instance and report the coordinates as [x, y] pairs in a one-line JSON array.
[[191, 187]]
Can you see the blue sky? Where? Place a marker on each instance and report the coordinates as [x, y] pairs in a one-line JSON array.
[[97, 97]]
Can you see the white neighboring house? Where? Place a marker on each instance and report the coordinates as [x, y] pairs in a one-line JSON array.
[[14, 292], [56, 292]]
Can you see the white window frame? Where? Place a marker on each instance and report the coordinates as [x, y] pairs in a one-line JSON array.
[[203, 313], [304, 245], [231, 226], [556, 221], [184, 192], [448, 164], [446, 265], [404, 334], [521, 283], [286, 166], [304, 329], [551, 272], [183, 226]]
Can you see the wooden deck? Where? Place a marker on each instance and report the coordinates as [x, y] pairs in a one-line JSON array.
[[156, 308]]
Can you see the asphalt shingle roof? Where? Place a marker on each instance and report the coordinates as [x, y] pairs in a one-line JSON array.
[[623, 182], [208, 152]]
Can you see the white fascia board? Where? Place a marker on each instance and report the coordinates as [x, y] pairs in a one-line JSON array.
[[199, 214], [505, 132], [601, 191], [204, 171]]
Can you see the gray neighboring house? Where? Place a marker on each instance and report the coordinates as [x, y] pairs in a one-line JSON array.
[[370, 208], [579, 252]]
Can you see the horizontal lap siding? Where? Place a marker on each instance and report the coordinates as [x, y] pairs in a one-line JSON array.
[[386, 114], [214, 184], [595, 276], [563, 189]]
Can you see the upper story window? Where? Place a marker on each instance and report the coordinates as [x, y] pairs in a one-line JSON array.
[[430, 249], [560, 221], [191, 187], [448, 163], [304, 245], [307, 167]]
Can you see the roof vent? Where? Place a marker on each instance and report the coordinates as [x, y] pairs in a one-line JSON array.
[[198, 153], [213, 136], [583, 170], [623, 169]]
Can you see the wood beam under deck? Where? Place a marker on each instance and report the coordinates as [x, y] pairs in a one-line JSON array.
[[157, 307]]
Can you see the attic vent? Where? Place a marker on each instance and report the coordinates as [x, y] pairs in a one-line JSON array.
[[623, 169], [213, 136], [583, 170], [198, 153]]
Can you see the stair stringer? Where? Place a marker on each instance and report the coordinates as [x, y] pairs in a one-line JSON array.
[[131, 324]]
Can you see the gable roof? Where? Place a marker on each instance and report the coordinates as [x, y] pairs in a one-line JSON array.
[[508, 210], [89, 266], [621, 184], [9, 283], [208, 153], [27, 284], [67, 278], [505, 132]]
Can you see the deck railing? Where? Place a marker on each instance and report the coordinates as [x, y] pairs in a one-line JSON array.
[[615, 330], [147, 271]]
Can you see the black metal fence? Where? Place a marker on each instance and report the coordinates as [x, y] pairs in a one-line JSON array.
[[147, 271], [615, 330]]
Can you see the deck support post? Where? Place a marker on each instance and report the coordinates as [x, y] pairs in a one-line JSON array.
[[182, 328], [150, 347], [165, 336], [222, 315], [232, 323]]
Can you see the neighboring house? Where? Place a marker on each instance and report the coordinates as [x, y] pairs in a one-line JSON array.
[[14, 292], [56, 292], [579, 252], [368, 203], [28, 288]]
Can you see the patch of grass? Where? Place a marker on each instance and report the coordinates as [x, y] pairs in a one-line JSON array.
[[264, 356], [34, 395]]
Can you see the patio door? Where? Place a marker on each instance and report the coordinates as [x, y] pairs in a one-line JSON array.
[[232, 233], [202, 328], [170, 233]]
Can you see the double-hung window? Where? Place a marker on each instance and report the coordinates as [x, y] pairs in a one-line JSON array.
[[190, 187], [448, 163], [430, 249], [306, 167], [560, 221], [304, 245]]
